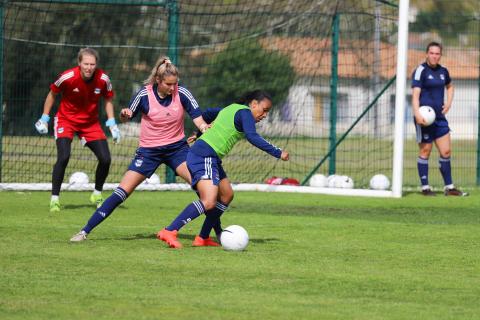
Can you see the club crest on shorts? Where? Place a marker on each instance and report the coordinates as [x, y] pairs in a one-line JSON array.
[[138, 162], [97, 90], [426, 136], [60, 130]]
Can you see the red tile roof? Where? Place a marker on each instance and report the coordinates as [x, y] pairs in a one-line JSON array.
[[312, 57]]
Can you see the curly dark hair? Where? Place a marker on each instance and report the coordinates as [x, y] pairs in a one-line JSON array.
[[258, 95]]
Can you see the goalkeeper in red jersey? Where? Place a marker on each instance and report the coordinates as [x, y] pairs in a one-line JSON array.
[[81, 88]]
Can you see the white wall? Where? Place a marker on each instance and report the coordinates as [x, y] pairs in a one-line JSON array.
[[462, 117]]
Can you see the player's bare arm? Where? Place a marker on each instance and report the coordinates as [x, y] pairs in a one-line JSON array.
[[416, 106], [201, 124], [448, 104]]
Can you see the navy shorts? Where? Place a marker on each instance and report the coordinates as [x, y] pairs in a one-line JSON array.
[[431, 133], [147, 160], [205, 168]]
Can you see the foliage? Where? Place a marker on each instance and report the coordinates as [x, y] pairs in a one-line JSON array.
[[244, 66], [448, 19], [441, 22], [40, 43]]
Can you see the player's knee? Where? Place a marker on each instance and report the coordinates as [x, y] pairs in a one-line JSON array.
[[424, 154], [209, 204], [62, 159], [227, 198], [446, 153], [105, 160]]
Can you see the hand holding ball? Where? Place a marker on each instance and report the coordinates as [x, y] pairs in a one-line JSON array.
[[428, 114]]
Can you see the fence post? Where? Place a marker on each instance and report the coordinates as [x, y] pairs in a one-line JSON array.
[[333, 92], [173, 29], [1, 87], [478, 113]]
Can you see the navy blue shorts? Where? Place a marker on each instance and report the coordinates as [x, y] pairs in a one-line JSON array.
[[431, 133], [205, 168], [147, 160]]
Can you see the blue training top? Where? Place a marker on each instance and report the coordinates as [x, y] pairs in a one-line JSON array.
[[139, 102], [244, 122], [432, 82]]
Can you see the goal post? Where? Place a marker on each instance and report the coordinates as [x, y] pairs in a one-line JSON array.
[[402, 48]]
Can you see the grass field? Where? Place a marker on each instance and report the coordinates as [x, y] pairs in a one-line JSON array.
[[310, 257]]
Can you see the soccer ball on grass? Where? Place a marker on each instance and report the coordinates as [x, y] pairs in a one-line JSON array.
[[379, 182], [78, 178], [318, 180], [234, 238], [154, 179]]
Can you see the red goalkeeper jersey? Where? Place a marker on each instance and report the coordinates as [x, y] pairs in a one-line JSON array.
[[79, 103]]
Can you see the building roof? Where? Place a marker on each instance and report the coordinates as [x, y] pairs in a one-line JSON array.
[[312, 57]]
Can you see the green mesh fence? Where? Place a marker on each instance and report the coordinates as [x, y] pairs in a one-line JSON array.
[[224, 48]]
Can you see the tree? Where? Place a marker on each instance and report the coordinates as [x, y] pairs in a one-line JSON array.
[[245, 66], [447, 18]]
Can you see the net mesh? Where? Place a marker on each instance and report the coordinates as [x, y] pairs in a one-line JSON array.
[[222, 49]]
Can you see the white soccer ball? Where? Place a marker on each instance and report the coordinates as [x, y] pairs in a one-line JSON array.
[[234, 238], [331, 180], [154, 179], [78, 178], [428, 114], [379, 182], [318, 180], [338, 181], [346, 182]]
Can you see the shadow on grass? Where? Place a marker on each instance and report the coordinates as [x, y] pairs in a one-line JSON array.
[[266, 240], [87, 206], [140, 236], [149, 236], [143, 236]]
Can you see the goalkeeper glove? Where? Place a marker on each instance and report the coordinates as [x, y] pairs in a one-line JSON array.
[[42, 124], [112, 125]]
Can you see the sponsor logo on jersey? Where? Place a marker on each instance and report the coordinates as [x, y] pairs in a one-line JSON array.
[[430, 76], [138, 162], [76, 90], [97, 90], [60, 130]]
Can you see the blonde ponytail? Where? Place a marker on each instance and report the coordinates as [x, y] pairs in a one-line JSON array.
[[163, 68]]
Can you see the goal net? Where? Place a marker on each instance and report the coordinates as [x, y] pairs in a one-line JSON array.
[[330, 66]]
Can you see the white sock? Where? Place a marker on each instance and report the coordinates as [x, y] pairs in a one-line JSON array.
[[96, 192], [54, 198]]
